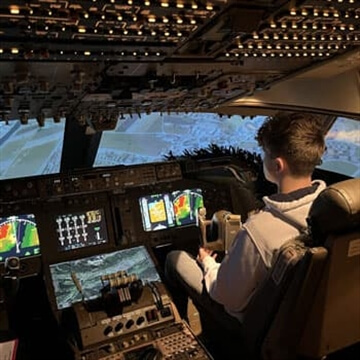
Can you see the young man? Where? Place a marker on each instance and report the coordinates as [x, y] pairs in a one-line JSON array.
[[293, 145]]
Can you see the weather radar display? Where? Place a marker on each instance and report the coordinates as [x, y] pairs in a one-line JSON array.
[[18, 236]]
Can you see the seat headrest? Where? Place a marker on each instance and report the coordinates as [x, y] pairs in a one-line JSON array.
[[335, 210]]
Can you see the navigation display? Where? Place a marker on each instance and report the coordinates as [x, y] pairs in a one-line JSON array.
[[166, 210], [81, 229], [87, 273], [18, 236]]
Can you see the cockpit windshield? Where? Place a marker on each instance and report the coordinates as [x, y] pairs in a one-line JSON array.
[[29, 150]]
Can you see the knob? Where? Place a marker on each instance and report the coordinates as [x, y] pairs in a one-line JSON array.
[[107, 330]]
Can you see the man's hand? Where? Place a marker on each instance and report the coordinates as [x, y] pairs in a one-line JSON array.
[[203, 253]]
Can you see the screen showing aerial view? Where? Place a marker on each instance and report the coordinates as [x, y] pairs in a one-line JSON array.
[[81, 229], [27, 150], [88, 271], [162, 211], [18, 236]]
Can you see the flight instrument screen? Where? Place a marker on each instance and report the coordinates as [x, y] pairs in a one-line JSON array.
[[18, 236], [166, 210], [81, 229]]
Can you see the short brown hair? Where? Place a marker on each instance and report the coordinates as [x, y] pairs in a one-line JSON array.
[[297, 137]]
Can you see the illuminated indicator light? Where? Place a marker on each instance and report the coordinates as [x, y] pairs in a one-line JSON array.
[[193, 21], [264, 54], [167, 33], [86, 15], [87, 53], [179, 21], [61, 52], [147, 3], [283, 25], [227, 54], [125, 32], [103, 17], [255, 35], [119, 18], [135, 53], [292, 12], [209, 7], [139, 32], [179, 34], [130, 2], [153, 33], [134, 18], [165, 4], [304, 12], [180, 5], [63, 28], [157, 54], [272, 25], [194, 6], [165, 20], [111, 31], [82, 30], [146, 54], [1, 51], [14, 10], [152, 19], [14, 51], [240, 46]]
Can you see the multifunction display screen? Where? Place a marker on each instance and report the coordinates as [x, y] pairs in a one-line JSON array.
[[81, 229], [18, 236], [166, 210]]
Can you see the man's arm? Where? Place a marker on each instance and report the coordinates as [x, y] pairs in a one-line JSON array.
[[232, 282]]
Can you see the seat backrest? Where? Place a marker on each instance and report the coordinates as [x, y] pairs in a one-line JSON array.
[[274, 319], [334, 318]]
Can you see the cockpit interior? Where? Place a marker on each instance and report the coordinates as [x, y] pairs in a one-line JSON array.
[[127, 130]]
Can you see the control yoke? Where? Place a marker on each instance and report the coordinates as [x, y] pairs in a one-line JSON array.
[[219, 232]]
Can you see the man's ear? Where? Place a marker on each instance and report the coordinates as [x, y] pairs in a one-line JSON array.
[[280, 164]]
